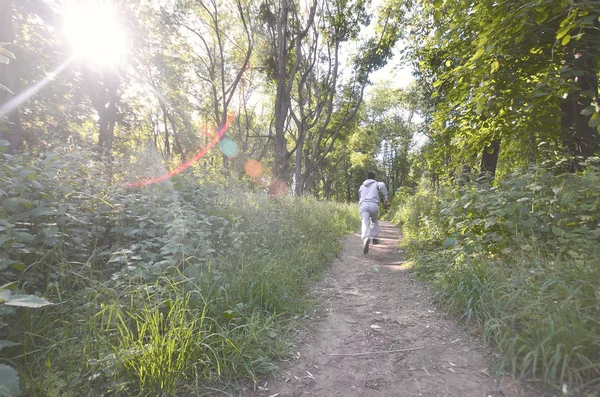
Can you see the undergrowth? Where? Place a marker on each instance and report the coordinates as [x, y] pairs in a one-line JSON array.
[[521, 259], [171, 288]]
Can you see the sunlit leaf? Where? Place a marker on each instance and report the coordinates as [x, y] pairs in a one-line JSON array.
[[495, 66], [5, 88], [21, 300], [594, 120], [229, 314]]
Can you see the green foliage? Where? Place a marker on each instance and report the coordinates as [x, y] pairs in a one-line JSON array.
[[165, 288], [420, 217], [481, 87], [520, 259], [9, 381]]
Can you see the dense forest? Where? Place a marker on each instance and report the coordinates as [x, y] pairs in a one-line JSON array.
[[175, 174]]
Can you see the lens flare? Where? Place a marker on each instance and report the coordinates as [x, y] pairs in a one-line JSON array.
[[229, 147], [187, 163], [21, 98], [95, 33], [278, 188], [253, 168]]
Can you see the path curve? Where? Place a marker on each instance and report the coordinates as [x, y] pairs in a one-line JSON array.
[[371, 306]]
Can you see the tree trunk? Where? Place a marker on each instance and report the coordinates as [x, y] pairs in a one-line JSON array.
[[106, 122], [281, 165], [104, 97], [579, 139], [300, 186], [489, 160], [166, 140], [9, 77], [349, 186]]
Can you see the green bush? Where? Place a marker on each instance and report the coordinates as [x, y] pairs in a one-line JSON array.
[[420, 218], [212, 266], [520, 259]]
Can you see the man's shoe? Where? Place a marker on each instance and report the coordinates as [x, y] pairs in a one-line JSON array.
[[365, 245], [375, 241]]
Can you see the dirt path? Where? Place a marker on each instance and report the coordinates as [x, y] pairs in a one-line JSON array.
[[371, 305]]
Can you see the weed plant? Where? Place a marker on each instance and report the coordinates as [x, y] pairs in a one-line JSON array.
[[160, 290], [520, 259]]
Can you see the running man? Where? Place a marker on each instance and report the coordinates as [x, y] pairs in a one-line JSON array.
[[368, 196]]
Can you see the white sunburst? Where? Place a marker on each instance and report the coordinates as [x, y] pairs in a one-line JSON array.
[[95, 33]]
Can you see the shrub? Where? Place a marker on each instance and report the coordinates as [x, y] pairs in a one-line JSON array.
[[520, 259], [167, 287]]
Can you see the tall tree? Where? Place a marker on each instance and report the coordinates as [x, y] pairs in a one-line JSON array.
[[580, 69], [391, 116], [223, 47], [286, 27], [303, 62], [103, 86], [493, 89], [321, 110], [9, 78]]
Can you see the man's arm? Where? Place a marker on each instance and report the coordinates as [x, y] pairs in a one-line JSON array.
[[384, 191]]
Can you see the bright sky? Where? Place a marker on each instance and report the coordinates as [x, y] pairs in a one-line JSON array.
[[399, 75]]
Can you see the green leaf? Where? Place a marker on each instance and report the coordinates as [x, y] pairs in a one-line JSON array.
[[542, 16], [449, 242], [229, 314], [594, 120], [477, 55], [588, 111], [7, 343], [9, 381], [21, 300], [565, 40], [490, 222], [5, 263], [495, 66], [13, 203], [24, 237], [562, 32], [41, 211]]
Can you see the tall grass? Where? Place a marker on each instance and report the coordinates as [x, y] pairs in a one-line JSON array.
[[521, 260], [162, 290]]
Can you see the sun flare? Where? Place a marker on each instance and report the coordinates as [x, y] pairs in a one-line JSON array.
[[94, 32]]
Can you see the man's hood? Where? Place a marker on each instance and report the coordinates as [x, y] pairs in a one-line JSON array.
[[369, 182]]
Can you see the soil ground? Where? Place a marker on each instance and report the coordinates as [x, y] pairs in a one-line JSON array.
[[377, 333]]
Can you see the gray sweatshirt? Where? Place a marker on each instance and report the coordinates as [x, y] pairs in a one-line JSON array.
[[368, 191]]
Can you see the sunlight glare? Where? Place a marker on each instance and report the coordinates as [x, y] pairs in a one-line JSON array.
[[94, 32]]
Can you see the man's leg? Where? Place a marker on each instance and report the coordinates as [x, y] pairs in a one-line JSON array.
[[374, 232], [365, 234]]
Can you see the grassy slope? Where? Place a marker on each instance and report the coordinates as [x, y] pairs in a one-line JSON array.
[[520, 260], [157, 290]]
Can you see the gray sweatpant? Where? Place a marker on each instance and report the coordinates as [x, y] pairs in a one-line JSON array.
[[369, 213]]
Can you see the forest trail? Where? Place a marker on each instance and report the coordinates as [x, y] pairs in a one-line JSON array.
[[371, 303]]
